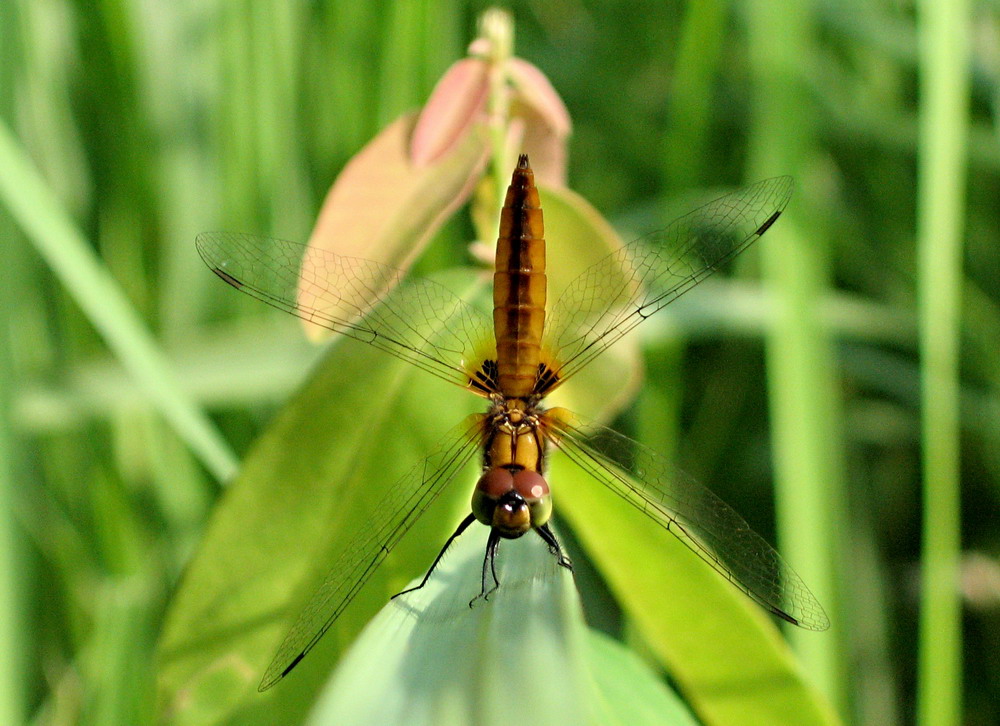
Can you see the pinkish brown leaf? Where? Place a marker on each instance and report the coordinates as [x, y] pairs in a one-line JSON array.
[[547, 122], [547, 150], [536, 91], [457, 102], [383, 207]]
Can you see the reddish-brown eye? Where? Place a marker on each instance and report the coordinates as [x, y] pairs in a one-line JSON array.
[[530, 484], [495, 483]]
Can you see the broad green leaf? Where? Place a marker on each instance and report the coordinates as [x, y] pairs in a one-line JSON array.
[[577, 236], [524, 656], [727, 657], [627, 692], [310, 484], [429, 659]]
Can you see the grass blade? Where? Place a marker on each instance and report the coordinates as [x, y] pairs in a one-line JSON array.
[[44, 221], [944, 60], [801, 366]]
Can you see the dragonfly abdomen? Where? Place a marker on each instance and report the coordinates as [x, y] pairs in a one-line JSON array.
[[519, 285]]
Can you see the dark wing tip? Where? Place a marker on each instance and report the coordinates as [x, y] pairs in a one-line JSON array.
[[522, 162], [269, 679], [816, 621], [767, 224], [784, 616], [291, 665], [227, 277]]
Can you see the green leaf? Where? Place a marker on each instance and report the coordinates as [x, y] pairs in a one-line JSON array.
[[429, 659], [310, 484], [523, 656], [577, 236], [628, 692], [727, 657]]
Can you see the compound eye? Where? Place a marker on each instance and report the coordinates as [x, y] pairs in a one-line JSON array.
[[530, 484], [495, 483]]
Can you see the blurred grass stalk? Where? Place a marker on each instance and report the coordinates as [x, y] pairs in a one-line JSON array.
[[13, 567], [695, 68], [943, 38], [15, 570], [803, 389], [47, 225]]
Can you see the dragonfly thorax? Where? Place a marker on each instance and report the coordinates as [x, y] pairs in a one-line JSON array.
[[513, 436], [512, 496]]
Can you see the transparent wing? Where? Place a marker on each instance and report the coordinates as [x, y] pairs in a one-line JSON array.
[[689, 511], [617, 293], [419, 320], [396, 513]]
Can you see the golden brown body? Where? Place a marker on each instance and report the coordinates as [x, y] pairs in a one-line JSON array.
[[519, 286], [512, 496]]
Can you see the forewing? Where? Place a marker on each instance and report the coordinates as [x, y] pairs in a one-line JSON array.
[[702, 521], [603, 304], [417, 320], [395, 514]]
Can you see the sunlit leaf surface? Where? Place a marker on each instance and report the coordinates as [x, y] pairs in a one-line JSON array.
[[712, 639], [305, 491], [428, 659]]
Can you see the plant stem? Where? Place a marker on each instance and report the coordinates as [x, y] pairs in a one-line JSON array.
[[803, 388], [497, 26], [944, 63]]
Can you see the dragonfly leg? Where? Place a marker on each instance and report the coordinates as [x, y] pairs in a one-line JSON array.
[[489, 563], [554, 547], [464, 525]]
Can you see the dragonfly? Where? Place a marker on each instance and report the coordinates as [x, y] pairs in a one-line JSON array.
[[514, 359]]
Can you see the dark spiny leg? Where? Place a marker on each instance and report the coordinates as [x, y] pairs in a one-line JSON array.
[[550, 539], [454, 535], [490, 559], [493, 568]]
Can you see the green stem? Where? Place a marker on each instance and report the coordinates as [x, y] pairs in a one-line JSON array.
[[47, 225], [944, 63], [13, 663], [497, 27], [801, 363], [698, 56]]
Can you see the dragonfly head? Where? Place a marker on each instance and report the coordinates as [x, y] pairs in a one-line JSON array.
[[512, 501]]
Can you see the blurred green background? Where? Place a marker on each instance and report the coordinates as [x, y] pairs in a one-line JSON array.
[[152, 121]]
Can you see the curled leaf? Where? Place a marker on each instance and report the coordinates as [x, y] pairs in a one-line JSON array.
[[456, 104], [383, 207], [546, 121], [535, 90]]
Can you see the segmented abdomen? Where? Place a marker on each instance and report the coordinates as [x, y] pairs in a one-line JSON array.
[[519, 285]]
